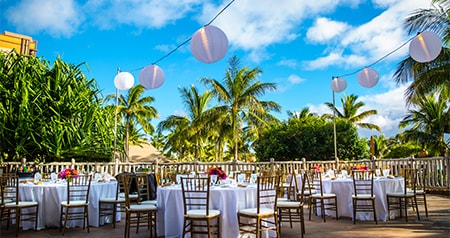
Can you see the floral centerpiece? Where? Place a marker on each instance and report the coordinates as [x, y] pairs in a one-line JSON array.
[[221, 175], [317, 168], [68, 174], [361, 167]]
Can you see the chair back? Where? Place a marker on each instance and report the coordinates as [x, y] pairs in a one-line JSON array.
[[301, 187], [196, 191], [267, 192], [143, 189], [410, 179], [362, 182], [315, 178], [78, 188], [9, 188]]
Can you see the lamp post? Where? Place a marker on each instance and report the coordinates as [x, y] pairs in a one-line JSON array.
[[122, 81], [337, 85]]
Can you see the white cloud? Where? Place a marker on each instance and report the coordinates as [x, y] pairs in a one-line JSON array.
[[295, 79], [57, 18], [324, 30]]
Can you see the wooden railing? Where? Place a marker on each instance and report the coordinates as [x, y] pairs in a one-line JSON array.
[[437, 168]]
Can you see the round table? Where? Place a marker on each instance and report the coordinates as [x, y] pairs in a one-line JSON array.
[[49, 196]]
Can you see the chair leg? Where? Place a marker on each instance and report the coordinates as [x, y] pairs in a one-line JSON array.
[[322, 206], [86, 209], [18, 214], [374, 212], [425, 204], [354, 202]]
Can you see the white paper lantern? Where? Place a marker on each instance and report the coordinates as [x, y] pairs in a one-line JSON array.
[[151, 77], [124, 81], [338, 84], [368, 77], [425, 47], [209, 44]]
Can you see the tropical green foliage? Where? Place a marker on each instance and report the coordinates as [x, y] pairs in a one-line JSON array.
[[50, 113], [240, 110], [310, 138], [350, 109], [134, 112], [428, 122]]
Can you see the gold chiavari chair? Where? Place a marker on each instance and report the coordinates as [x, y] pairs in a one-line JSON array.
[[265, 212], [111, 205], [78, 188], [198, 217], [292, 209], [326, 201], [363, 193], [11, 208], [401, 201]]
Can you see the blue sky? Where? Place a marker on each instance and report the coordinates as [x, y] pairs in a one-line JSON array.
[[299, 45]]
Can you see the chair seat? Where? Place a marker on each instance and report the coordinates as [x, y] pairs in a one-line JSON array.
[[112, 200], [142, 207], [254, 211], [325, 195], [417, 191], [199, 213], [400, 194], [289, 204], [74, 203], [131, 196], [149, 202], [21, 204], [282, 200], [363, 196]]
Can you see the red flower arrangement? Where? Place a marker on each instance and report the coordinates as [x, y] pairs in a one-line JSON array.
[[217, 171], [68, 173], [361, 167], [317, 168]]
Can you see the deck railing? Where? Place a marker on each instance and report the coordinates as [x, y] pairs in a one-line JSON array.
[[437, 169]]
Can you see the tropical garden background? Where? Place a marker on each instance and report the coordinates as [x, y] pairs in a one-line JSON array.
[[52, 112]]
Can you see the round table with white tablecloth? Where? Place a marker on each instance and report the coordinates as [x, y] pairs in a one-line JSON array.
[[226, 198], [49, 196], [343, 188]]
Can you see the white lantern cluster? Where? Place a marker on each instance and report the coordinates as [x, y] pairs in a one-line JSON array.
[[209, 44], [423, 48]]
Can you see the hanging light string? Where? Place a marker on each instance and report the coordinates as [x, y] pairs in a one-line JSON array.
[[377, 61], [187, 40]]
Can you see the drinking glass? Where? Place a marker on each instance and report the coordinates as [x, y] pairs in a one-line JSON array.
[[213, 179], [378, 173], [253, 178], [241, 178], [386, 172]]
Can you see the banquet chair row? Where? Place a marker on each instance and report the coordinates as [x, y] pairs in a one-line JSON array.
[[11, 208]]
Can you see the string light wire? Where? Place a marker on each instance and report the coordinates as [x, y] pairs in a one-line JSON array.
[[187, 40]]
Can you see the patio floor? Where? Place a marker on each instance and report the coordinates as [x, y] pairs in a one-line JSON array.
[[437, 224]]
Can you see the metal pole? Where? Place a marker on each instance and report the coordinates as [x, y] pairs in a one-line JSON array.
[[115, 119], [334, 130]]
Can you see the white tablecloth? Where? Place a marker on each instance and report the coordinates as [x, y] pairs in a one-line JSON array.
[[49, 196], [344, 190], [226, 199]]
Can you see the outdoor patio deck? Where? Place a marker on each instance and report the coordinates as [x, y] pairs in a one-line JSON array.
[[436, 225]]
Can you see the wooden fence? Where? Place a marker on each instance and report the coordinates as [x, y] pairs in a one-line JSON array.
[[437, 168]]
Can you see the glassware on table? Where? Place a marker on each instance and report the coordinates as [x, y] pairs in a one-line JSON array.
[[178, 178], [213, 179], [378, 173], [344, 173], [253, 178], [386, 172], [241, 178]]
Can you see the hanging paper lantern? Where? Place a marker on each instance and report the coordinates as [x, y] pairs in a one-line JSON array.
[[209, 44], [151, 77], [368, 77], [338, 84], [425, 47], [124, 81]]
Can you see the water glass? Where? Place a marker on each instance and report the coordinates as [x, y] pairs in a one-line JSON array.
[[386, 172]]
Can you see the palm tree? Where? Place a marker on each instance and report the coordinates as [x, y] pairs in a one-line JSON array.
[[192, 127], [429, 122], [136, 111], [304, 113], [427, 77], [239, 94], [350, 112]]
